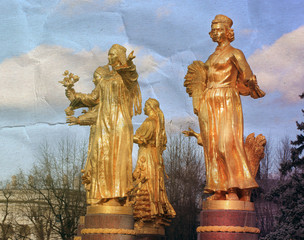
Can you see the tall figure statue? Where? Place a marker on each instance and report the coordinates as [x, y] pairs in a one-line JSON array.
[[215, 87], [116, 97], [151, 202]]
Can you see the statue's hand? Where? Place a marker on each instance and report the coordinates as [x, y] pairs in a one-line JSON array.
[[70, 93], [72, 120], [190, 133], [137, 140], [136, 174], [86, 178], [130, 58], [252, 82]]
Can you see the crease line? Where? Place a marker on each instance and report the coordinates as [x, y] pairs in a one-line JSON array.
[[33, 124]]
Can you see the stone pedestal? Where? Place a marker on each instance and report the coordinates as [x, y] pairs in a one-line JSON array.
[[150, 237], [150, 231], [80, 225], [227, 220], [79, 228], [108, 223]]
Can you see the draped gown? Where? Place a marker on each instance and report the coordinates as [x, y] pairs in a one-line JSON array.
[[151, 199], [221, 121], [109, 162]]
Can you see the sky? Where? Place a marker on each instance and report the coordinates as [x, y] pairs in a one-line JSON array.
[[40, 39]]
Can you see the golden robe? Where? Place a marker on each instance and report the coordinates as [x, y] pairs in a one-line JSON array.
[[151, 199], [109, 162], [221, 121]]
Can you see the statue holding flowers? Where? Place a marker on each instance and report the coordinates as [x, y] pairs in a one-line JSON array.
[[115, 99]]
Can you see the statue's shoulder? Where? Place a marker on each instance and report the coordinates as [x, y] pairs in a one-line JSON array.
[[148, 126], [152, 120], [149, 121], [236, 52], [106, 68]]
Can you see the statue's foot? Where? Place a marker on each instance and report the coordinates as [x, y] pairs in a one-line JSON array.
[[110, 202], [218, 195], [232, 194], [245, 195]]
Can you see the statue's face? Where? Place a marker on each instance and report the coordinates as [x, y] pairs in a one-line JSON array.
[[218, 32], [96, 78], [147, 109], [113, 57]]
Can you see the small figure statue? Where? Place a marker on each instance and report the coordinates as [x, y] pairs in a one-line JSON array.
[[215, 87], [151, 206], [108, 172]]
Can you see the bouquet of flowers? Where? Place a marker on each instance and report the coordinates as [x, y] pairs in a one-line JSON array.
[[69, 80]]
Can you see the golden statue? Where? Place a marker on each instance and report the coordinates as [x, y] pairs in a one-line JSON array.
[[215, 87], [108, 172], [151, 205]]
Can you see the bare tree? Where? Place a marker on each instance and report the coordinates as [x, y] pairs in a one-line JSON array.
[[184, 166], [268, 210], [33, 210], [5, 214], [267, 162], [55, 197], [283, 152]]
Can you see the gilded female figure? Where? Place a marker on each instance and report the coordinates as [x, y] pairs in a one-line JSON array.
[[151, 201], [116, 97], [222, 78]]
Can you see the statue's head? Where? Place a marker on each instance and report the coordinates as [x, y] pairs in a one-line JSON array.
[[151, 105], [99, 73], [117, 55], [221, 29]]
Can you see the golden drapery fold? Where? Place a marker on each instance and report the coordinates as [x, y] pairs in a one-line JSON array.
[[215, 87], [109, 163], [221, 122], [151, 199]]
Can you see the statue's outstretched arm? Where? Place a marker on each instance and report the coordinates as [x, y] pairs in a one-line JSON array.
[[128, 72], [192, 133], [247, 82], [87, 100], [87, 119]]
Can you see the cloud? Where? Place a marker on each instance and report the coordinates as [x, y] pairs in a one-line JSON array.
[[30, 81], [163, 11], [145, 62], [248, 31], [279, 67], [147, 65], [71, 6], [74, 3], [109, 3], [179, 124]]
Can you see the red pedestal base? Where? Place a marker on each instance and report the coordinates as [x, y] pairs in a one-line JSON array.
[[150, 237], [233, 220], [80, 225], [149, 231], [105, 223], [227, 236]]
